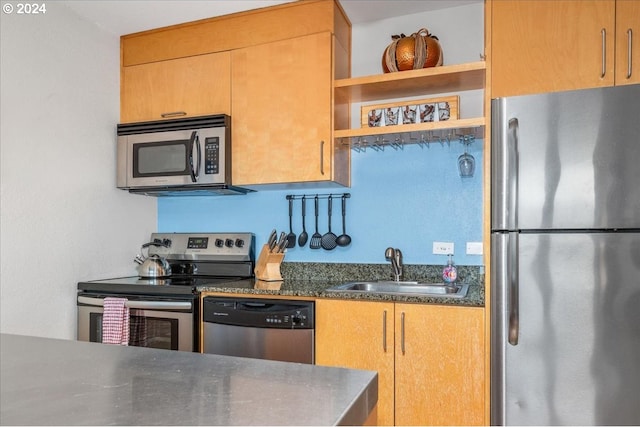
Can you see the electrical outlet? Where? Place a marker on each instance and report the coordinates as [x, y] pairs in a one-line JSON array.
[[442, 248], [474, 248]]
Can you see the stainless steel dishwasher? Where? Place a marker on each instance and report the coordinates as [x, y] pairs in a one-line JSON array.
[[259, 328]]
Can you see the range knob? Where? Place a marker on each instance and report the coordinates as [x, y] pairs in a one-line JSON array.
[[239, 243], [229, 243], [296, 319], [219, 243]]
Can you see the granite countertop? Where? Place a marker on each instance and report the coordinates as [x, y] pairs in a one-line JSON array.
[[298, 283], [63, 382], [318, 289]]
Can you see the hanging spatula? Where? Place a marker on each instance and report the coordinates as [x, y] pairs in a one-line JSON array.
[[316, 239]]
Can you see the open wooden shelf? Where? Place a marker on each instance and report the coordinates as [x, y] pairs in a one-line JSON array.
[[427, 81]]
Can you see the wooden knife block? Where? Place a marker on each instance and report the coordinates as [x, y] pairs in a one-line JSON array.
[[268, 265]]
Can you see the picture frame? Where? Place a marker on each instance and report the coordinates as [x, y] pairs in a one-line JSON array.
[[403, 113]]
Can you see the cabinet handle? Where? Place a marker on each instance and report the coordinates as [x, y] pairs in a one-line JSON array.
[[402, 332], [604, 52], [384, 331], [322, 157], [173, 114], [629, 51]]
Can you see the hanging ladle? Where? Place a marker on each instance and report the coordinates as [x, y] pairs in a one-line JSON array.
[[344, 239]]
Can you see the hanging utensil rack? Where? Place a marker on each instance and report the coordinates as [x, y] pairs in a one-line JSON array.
[[319, 196]]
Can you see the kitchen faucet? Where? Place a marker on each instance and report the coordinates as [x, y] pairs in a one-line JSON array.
[[395, 256]]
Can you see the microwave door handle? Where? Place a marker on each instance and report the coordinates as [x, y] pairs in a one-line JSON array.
[[194, 141]]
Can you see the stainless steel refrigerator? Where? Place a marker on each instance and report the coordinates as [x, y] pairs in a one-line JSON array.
[[565, 248]]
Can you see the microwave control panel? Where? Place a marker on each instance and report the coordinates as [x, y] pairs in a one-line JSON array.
[[212, 155]]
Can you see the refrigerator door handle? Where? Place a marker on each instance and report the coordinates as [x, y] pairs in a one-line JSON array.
[[512, 173], [504, 178], [513, 309]]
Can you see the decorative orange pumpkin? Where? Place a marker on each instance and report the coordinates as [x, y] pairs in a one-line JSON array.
[[420, 50]]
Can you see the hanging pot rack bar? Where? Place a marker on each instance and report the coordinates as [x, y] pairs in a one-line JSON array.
[[319, 196]]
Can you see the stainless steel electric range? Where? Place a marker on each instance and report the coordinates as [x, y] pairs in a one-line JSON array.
[[164, 311]]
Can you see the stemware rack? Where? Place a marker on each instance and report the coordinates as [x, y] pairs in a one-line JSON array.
[[397, 141]]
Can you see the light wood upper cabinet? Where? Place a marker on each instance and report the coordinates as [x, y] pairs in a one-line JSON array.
[[191, 86], [627, 42], [282, 113], [431, 370], [547, 46]]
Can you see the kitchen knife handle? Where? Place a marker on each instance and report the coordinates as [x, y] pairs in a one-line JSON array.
[[629, 52], [512, 278]]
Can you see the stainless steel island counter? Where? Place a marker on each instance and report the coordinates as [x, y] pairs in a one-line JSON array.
[[63, 382]]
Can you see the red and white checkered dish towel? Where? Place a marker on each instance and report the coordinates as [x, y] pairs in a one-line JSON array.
[[115, 321]]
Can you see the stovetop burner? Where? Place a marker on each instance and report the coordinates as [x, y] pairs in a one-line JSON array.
[[211, 259]]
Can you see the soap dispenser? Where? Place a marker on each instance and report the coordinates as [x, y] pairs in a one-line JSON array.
[[450, 273]]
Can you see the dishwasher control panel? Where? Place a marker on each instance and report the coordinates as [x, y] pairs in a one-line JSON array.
[[259, 313]]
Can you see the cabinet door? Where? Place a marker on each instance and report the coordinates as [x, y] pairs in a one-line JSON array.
[[359, 335], [627, 42], [281, 111], [547, 46], [193, 86], [439, 365]]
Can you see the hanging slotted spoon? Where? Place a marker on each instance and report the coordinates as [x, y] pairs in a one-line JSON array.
[[316, 239], [329, 239]]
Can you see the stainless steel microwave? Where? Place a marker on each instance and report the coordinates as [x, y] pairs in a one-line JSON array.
[[181, 157]]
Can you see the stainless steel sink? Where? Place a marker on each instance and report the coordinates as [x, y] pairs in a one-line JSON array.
[[404, 288]]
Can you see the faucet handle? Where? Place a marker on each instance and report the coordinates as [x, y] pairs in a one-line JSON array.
[[398, 256]]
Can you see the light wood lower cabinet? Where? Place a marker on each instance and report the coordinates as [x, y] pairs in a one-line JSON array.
[[351, 334], [282, 113], [185, 87], [429, 358], [439, 370]]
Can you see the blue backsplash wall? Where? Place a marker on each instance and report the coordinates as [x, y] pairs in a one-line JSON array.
[[402, 198]]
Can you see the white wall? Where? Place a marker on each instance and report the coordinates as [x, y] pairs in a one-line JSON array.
[[62, 219]]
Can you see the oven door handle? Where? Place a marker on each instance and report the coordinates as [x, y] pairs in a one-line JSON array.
[[142, 305]]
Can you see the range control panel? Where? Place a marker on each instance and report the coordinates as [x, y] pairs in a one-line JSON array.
[[204, 246]]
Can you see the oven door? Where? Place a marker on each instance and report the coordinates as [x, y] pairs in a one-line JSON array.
[[163, 323], [172, 158]]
